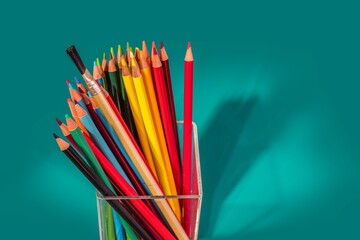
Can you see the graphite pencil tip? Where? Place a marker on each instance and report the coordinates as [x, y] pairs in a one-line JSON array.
[[55, 136]]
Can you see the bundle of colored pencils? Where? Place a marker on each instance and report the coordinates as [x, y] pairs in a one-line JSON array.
[[122, 135]]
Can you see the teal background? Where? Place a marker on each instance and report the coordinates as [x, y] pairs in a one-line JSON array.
[[276, 100]]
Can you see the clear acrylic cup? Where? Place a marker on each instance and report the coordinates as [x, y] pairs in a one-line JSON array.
[[194, 199]]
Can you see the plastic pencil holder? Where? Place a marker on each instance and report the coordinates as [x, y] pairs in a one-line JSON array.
[[194, 199]]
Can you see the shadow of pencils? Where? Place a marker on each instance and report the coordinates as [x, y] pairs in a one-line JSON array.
[[217, 145]]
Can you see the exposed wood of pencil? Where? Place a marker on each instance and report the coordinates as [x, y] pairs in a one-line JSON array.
[[76, 117], [65, 131]]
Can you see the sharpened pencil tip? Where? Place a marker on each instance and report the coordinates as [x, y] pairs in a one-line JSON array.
[[55, 136], [104, 56], [154, 51], [67, 116], [112, 52], [67, 82], [76, 80], [161, 44], [189, 45], [58, 121], [98, 62]]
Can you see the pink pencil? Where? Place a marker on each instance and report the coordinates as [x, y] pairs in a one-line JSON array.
[[187, 136]]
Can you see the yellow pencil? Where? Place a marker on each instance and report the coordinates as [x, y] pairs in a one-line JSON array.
[[152, 136], [135, 109]]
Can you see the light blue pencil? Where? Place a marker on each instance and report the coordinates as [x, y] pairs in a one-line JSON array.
[[99, 140]]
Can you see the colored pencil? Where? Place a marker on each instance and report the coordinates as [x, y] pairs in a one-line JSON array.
[[70, 87], [101, 143], [75, 116], [145, 52], [139, 121], [118, 56], [187, 135], [79, 85], [129, 191], [104, 67], [142, 189], [115, 91], [119, 117], [97, 75], [136, 157], [118, 151], [126, 111], [119, 206], [93, 162], [102, 74], [162, 174], [166, 67], [161, 95], [77, 97], [148, 82], [65, 131]]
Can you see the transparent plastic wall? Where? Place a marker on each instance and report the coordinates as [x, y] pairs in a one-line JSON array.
[[194, 198]]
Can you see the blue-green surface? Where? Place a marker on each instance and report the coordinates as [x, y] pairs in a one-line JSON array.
[[276, 100]]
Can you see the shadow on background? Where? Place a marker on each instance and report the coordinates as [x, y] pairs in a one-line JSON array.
[[217, 145]]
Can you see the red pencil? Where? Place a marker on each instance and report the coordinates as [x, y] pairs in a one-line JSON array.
[[121, 183], [161, 94], [166, 66], [187, 136]]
